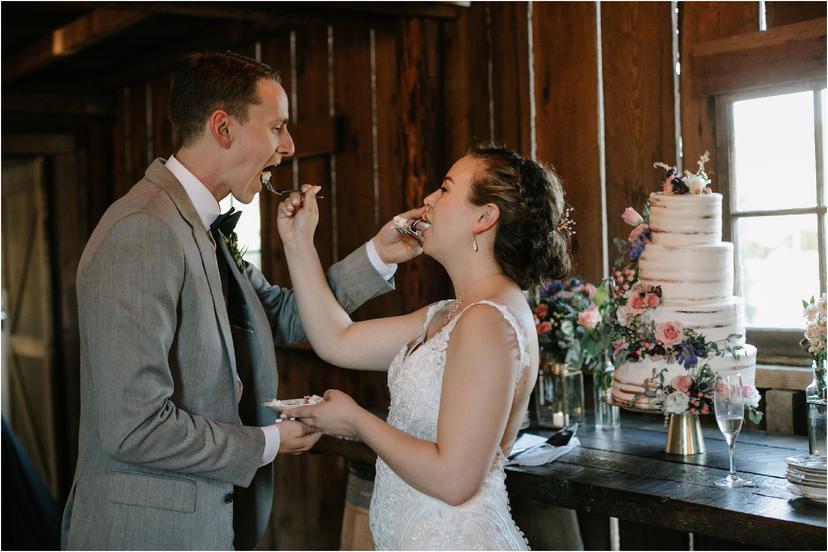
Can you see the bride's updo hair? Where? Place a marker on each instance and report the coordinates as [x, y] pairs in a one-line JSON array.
[[530, 244]]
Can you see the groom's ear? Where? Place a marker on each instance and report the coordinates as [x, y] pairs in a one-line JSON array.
[[219, 127]]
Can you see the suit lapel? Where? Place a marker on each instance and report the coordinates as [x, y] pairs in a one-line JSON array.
[[158, 174]]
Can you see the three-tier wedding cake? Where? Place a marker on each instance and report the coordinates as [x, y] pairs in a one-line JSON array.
[[687, 258]]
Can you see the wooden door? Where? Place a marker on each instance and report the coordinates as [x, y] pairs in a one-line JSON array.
[[28, 361]]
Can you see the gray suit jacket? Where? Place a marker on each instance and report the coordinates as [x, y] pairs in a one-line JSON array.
[[163, 441]]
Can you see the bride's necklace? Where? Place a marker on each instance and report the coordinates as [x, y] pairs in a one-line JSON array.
[[455, 306]]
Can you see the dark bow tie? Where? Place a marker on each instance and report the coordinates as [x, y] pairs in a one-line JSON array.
[[226, 222]]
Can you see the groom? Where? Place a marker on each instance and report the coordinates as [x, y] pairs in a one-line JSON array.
[[178, 341]]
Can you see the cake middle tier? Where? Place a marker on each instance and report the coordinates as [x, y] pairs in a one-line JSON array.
[[689, 274], [716, 321]]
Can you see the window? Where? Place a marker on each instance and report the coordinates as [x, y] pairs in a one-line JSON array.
[[249, 228], [777, 208]]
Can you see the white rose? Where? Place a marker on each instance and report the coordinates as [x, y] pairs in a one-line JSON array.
[[676, 403], [696, 184], [621, 314], [812, 312]]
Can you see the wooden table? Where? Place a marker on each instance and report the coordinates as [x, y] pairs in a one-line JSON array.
[[626, 474]]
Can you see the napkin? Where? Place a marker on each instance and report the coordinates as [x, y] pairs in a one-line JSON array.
[[541, 455]]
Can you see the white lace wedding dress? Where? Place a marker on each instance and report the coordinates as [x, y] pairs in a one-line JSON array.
[[403, 518]]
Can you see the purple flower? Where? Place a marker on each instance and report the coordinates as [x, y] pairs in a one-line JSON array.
[[687, 355], [636, 249]]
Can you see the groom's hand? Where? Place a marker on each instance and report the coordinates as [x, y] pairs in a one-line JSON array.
[[296, 437], [394, 247]]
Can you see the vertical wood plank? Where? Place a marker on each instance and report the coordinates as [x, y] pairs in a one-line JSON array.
[[313, 102], [466, 88], [510, 75], [423, 161], [566, 81], [699, 21], [138, 132], [161, 125], [638, 96], [120, 159], [276, 53]]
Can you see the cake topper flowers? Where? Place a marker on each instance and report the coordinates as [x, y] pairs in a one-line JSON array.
[[688, 183]]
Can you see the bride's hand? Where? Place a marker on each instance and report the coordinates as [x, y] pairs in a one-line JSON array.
[[394, 247], [297, 216], [336, 415]]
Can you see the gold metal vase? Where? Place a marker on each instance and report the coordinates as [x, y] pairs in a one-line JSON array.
[[684, 435]]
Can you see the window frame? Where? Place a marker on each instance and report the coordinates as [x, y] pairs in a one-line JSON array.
[[774, 345]]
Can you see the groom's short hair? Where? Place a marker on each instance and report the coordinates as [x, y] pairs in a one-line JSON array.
[[204, 82]]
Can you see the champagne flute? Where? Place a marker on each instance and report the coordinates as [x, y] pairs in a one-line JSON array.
[[729, 406]]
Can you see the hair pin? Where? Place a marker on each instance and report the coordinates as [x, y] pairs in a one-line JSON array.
[[566, 224]]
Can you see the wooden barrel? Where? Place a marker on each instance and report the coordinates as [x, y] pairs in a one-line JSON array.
[[356, 531]]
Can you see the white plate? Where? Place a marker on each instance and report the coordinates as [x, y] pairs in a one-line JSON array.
[[813, 464], [808, 492], [286, 404], [806, 477]]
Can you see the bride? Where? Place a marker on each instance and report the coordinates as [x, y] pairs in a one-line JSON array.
[[460, 371]]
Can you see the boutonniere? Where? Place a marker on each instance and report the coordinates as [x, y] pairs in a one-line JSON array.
[[232, 242]]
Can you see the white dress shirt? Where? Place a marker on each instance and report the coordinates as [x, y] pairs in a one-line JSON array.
[[208, 210]]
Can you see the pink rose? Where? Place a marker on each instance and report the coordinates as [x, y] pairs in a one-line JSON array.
[[636, 232], [544, 327], [636, 303], [652, 300], [632, 217], [669, 333], [589, 318], [589, 290], [722, 388], [751, 395], [682, 383], [542, 310], [619, 345]]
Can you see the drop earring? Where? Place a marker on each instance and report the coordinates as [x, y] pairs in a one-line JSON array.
[[474, 243]]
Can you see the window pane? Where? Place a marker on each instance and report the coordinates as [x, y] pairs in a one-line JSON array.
[[249, 228], [774, 151], [779, 266]]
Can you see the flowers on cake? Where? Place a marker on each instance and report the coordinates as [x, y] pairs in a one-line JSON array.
[[687, 183]]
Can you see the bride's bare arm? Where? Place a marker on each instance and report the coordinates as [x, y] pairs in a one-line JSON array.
[[369, 345], [482, 365]]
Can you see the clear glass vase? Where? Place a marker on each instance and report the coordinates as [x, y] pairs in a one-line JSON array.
[[815, 396], [606, 416], [558, 396]]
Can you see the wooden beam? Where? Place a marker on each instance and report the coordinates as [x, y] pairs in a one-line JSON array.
[[69, 104], [788, 53], [265, 11], [68, 40]]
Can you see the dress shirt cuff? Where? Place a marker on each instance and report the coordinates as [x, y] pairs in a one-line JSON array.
[[385, 270], [272, 440]]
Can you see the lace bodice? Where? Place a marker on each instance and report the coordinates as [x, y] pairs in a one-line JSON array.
[[404, 518]]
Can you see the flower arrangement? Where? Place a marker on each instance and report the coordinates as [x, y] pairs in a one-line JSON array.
[[636, 335], [570, 322], [815, 339], [688, 183]]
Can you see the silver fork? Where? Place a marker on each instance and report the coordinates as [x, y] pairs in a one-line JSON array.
[[280, 193]]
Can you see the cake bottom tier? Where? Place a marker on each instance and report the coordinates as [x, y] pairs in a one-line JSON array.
[[633, 385]]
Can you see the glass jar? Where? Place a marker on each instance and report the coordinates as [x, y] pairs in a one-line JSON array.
[[607, 416], [815, 397], [558, 396]]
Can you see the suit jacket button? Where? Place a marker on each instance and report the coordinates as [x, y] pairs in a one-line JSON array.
[[228, 498]]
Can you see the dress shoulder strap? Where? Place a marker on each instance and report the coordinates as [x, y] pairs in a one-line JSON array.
[[506, 312]]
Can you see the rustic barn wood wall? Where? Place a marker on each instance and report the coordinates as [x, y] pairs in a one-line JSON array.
[[381, 106]]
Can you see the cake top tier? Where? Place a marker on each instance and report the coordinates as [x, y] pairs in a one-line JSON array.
[[687, 219]]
